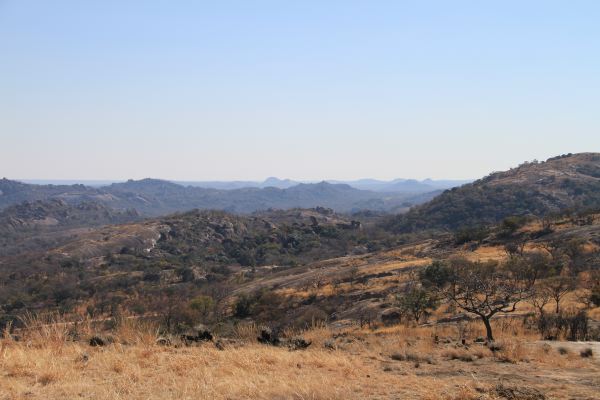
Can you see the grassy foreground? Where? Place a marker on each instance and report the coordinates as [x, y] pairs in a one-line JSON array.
[[354, 363]]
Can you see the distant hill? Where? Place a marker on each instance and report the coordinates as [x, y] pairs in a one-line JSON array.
[[58, 213], [412, 186], [229, 185], [536, 188], [45, 223], [153, 197], [14, 192], [406, 186]]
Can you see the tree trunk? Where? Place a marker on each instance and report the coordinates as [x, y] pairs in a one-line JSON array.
[[557, 306], [488, 328]]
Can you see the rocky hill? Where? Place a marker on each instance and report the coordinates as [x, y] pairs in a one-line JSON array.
[[42, 224], [193, 249], [570, 181], [57, 213], [14, 192]]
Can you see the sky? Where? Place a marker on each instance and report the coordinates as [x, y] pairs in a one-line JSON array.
[[307, 90]]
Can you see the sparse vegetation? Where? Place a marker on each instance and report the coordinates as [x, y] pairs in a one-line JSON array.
[[300, 299]]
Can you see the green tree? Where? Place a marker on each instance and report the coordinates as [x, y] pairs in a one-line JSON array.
[[416, 302]]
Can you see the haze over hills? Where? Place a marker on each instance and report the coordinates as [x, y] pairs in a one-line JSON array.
[[393, 186], [569, 181], [532, 188], [158, 197]]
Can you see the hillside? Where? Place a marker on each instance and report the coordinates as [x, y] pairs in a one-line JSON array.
[[193, 249], [13, 192], [59, 214], [153, 197], [538, 188], [41, 224]]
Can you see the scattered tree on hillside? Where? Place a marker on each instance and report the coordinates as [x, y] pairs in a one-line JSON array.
[[557, 287], [416, 301], [483, 289], [203, 305], [540, 298], [352, 274], [515, 248]]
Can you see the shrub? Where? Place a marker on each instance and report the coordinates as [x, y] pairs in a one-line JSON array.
[[470, 234], [573, 327], [587, 352], [243, 306]]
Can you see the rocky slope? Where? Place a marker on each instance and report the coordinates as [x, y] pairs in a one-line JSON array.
[[57, 213], [539, 188]]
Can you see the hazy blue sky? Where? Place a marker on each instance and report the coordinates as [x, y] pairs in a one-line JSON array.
[[195, 90]]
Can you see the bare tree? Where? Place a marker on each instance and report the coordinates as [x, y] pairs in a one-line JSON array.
[[557, 287], [515, 247], [540, 298], [483, 289]]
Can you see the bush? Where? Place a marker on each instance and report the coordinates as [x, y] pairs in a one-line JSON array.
[[587, 352], [572, 327], [243, 306], [470, 234]]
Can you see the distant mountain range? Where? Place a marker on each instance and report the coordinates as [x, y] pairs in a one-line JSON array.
[[152, 197], [393, 186]]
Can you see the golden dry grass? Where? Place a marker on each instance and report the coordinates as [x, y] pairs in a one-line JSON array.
[[426, 362]]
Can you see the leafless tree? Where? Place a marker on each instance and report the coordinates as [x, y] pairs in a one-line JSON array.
[[557, 287], [515, 248], [540, 298], [484, 289]]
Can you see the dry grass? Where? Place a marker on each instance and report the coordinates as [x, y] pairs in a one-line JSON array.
[[390, 362], [251, 372]]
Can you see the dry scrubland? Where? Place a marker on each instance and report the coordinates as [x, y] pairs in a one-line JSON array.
[[53, 359], [354, 363]]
